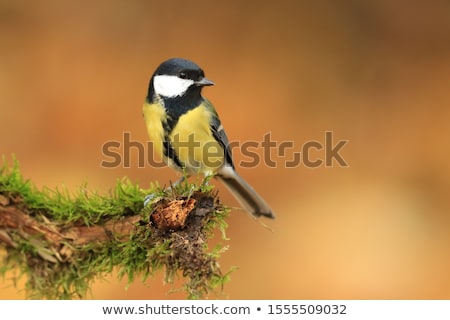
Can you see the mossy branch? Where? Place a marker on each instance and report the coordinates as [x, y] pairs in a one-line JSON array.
[[62, 242]]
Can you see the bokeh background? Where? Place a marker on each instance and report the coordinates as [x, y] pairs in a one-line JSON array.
[[74, 74]]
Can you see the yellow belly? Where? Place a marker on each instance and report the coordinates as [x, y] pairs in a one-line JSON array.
[[194, 143], [191, 139]]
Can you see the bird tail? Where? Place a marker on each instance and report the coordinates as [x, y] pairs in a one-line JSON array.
[[249, 199]]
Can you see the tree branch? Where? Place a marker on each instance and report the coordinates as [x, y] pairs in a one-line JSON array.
[[61, 242]]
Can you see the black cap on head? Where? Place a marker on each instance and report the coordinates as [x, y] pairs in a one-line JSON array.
[[176, 65]]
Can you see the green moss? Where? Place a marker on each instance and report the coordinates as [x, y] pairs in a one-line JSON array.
[[64, 269]]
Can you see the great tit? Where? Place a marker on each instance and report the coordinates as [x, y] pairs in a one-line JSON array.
[[186, 131]]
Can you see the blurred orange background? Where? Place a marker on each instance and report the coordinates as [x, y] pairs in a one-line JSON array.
[[74, 75]]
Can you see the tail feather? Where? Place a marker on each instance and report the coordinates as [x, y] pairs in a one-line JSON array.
[[245, 194]]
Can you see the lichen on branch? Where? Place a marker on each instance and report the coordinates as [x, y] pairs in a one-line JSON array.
[[61, 242]]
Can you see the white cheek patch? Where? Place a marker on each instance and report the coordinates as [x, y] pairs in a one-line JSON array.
[[171, 86]]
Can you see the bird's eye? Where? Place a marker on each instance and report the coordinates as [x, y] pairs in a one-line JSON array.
[[182, 75]]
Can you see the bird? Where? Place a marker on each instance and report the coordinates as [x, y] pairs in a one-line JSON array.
[[187, 134]]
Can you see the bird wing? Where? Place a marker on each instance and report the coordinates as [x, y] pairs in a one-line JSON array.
[[219, 133]]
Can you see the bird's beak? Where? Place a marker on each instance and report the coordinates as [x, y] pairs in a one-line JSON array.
[[204, 82]]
